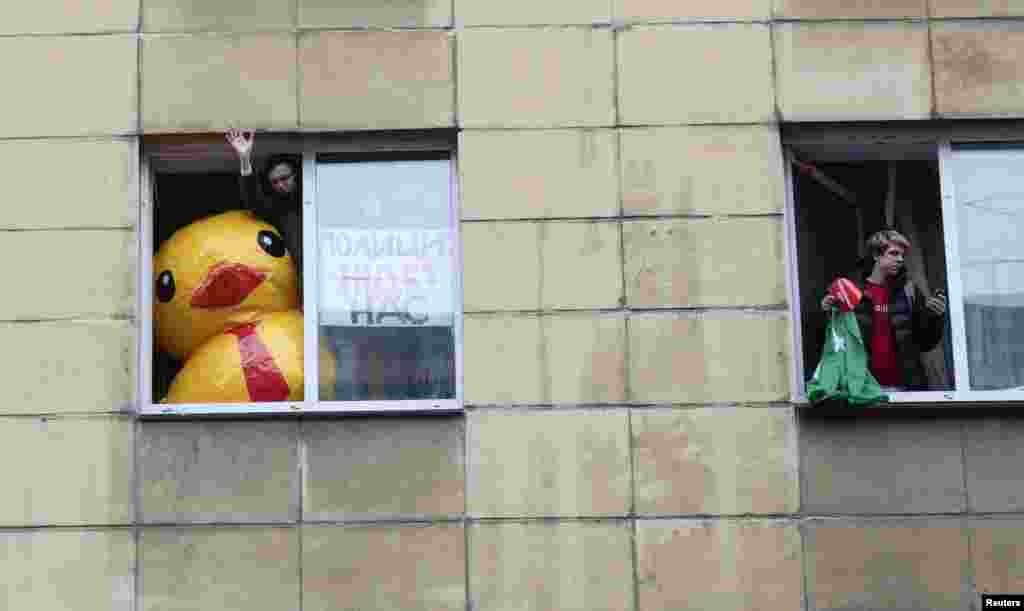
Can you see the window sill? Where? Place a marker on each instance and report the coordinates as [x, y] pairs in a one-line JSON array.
[[926, 400], [438, 406]]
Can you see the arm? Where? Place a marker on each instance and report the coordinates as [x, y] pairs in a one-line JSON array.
[[249, 190], [242, 141], [929, 320]]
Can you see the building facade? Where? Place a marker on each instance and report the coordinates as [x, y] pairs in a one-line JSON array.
[[632, 436]]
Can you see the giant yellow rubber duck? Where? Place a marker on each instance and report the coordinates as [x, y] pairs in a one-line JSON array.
[[219, 272], [226, 302]]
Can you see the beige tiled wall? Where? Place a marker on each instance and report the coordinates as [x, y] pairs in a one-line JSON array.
[[401, 566], [853, 71], [978, 72], [628, 442], [844, 9], [701, 170], [69, 85], [542, 565], [236, 567], [97, 188], [536, 77], [719, 73], [61, 17], [376, 80], [65, 367], [641, 11], [66, 569], [518, 174], [753, 564]]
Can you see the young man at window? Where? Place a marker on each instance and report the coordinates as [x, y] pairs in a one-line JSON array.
[[897, 322], [274, 195]]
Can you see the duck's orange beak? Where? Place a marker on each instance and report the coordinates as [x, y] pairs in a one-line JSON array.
[[226, 285]]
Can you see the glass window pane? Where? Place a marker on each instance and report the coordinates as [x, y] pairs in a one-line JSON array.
[[387, 290], [989, 190]]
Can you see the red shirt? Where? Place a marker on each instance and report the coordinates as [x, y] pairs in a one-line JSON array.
[[882, 344]]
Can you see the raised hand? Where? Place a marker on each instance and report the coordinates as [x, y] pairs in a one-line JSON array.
[[241, 140]]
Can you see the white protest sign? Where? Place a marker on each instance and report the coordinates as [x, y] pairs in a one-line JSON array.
[[386, 277]]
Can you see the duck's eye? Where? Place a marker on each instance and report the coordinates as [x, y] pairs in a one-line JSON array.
[[165, 286], [271, 243]]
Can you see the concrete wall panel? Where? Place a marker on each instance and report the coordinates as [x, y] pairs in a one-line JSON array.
[[64, 274], [997, 554], [376, 80], [570, 566], [372, 13], [886, 465], [978, 72], [544, 464], [503, 360], [719, 73], [702, 170], [223, 15], [501, 266], [61, 16], [380, 469], [228, 568], [66, 471], [211, 82], [679, 358], [581, 265], [67, 367], [511, 174], [69, 86], [719, 460], [413, 567], [976, 8], [97, 186], [845, 9], [887, 565], [557, 77], [672, 10], [700, 262], [195, 472], [749, 564], [532, 12], [586, 358], [992, 446], [67, 569], [853, 71]]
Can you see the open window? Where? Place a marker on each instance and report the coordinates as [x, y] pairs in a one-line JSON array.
[[958, 197], [365, 318]]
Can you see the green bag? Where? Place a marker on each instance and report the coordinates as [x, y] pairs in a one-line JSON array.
[[843, 371]]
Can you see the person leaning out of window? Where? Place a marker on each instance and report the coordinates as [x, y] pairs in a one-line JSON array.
[[897, 321], [273, 195]]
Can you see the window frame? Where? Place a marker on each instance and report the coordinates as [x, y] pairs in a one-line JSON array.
[[941, 139], [309, 146]]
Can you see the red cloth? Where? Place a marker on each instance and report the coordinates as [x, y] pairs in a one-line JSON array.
[[846, 293], [884, 364]]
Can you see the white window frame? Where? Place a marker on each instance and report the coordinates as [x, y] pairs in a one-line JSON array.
[[943, 139], [310, 146]]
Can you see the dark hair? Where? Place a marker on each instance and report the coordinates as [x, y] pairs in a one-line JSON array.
[[273, 161]]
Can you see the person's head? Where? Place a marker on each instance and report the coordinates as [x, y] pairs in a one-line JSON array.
[[887, 249], [281, 176]]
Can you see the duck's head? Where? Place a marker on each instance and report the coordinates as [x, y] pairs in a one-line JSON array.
[[217, 273]]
